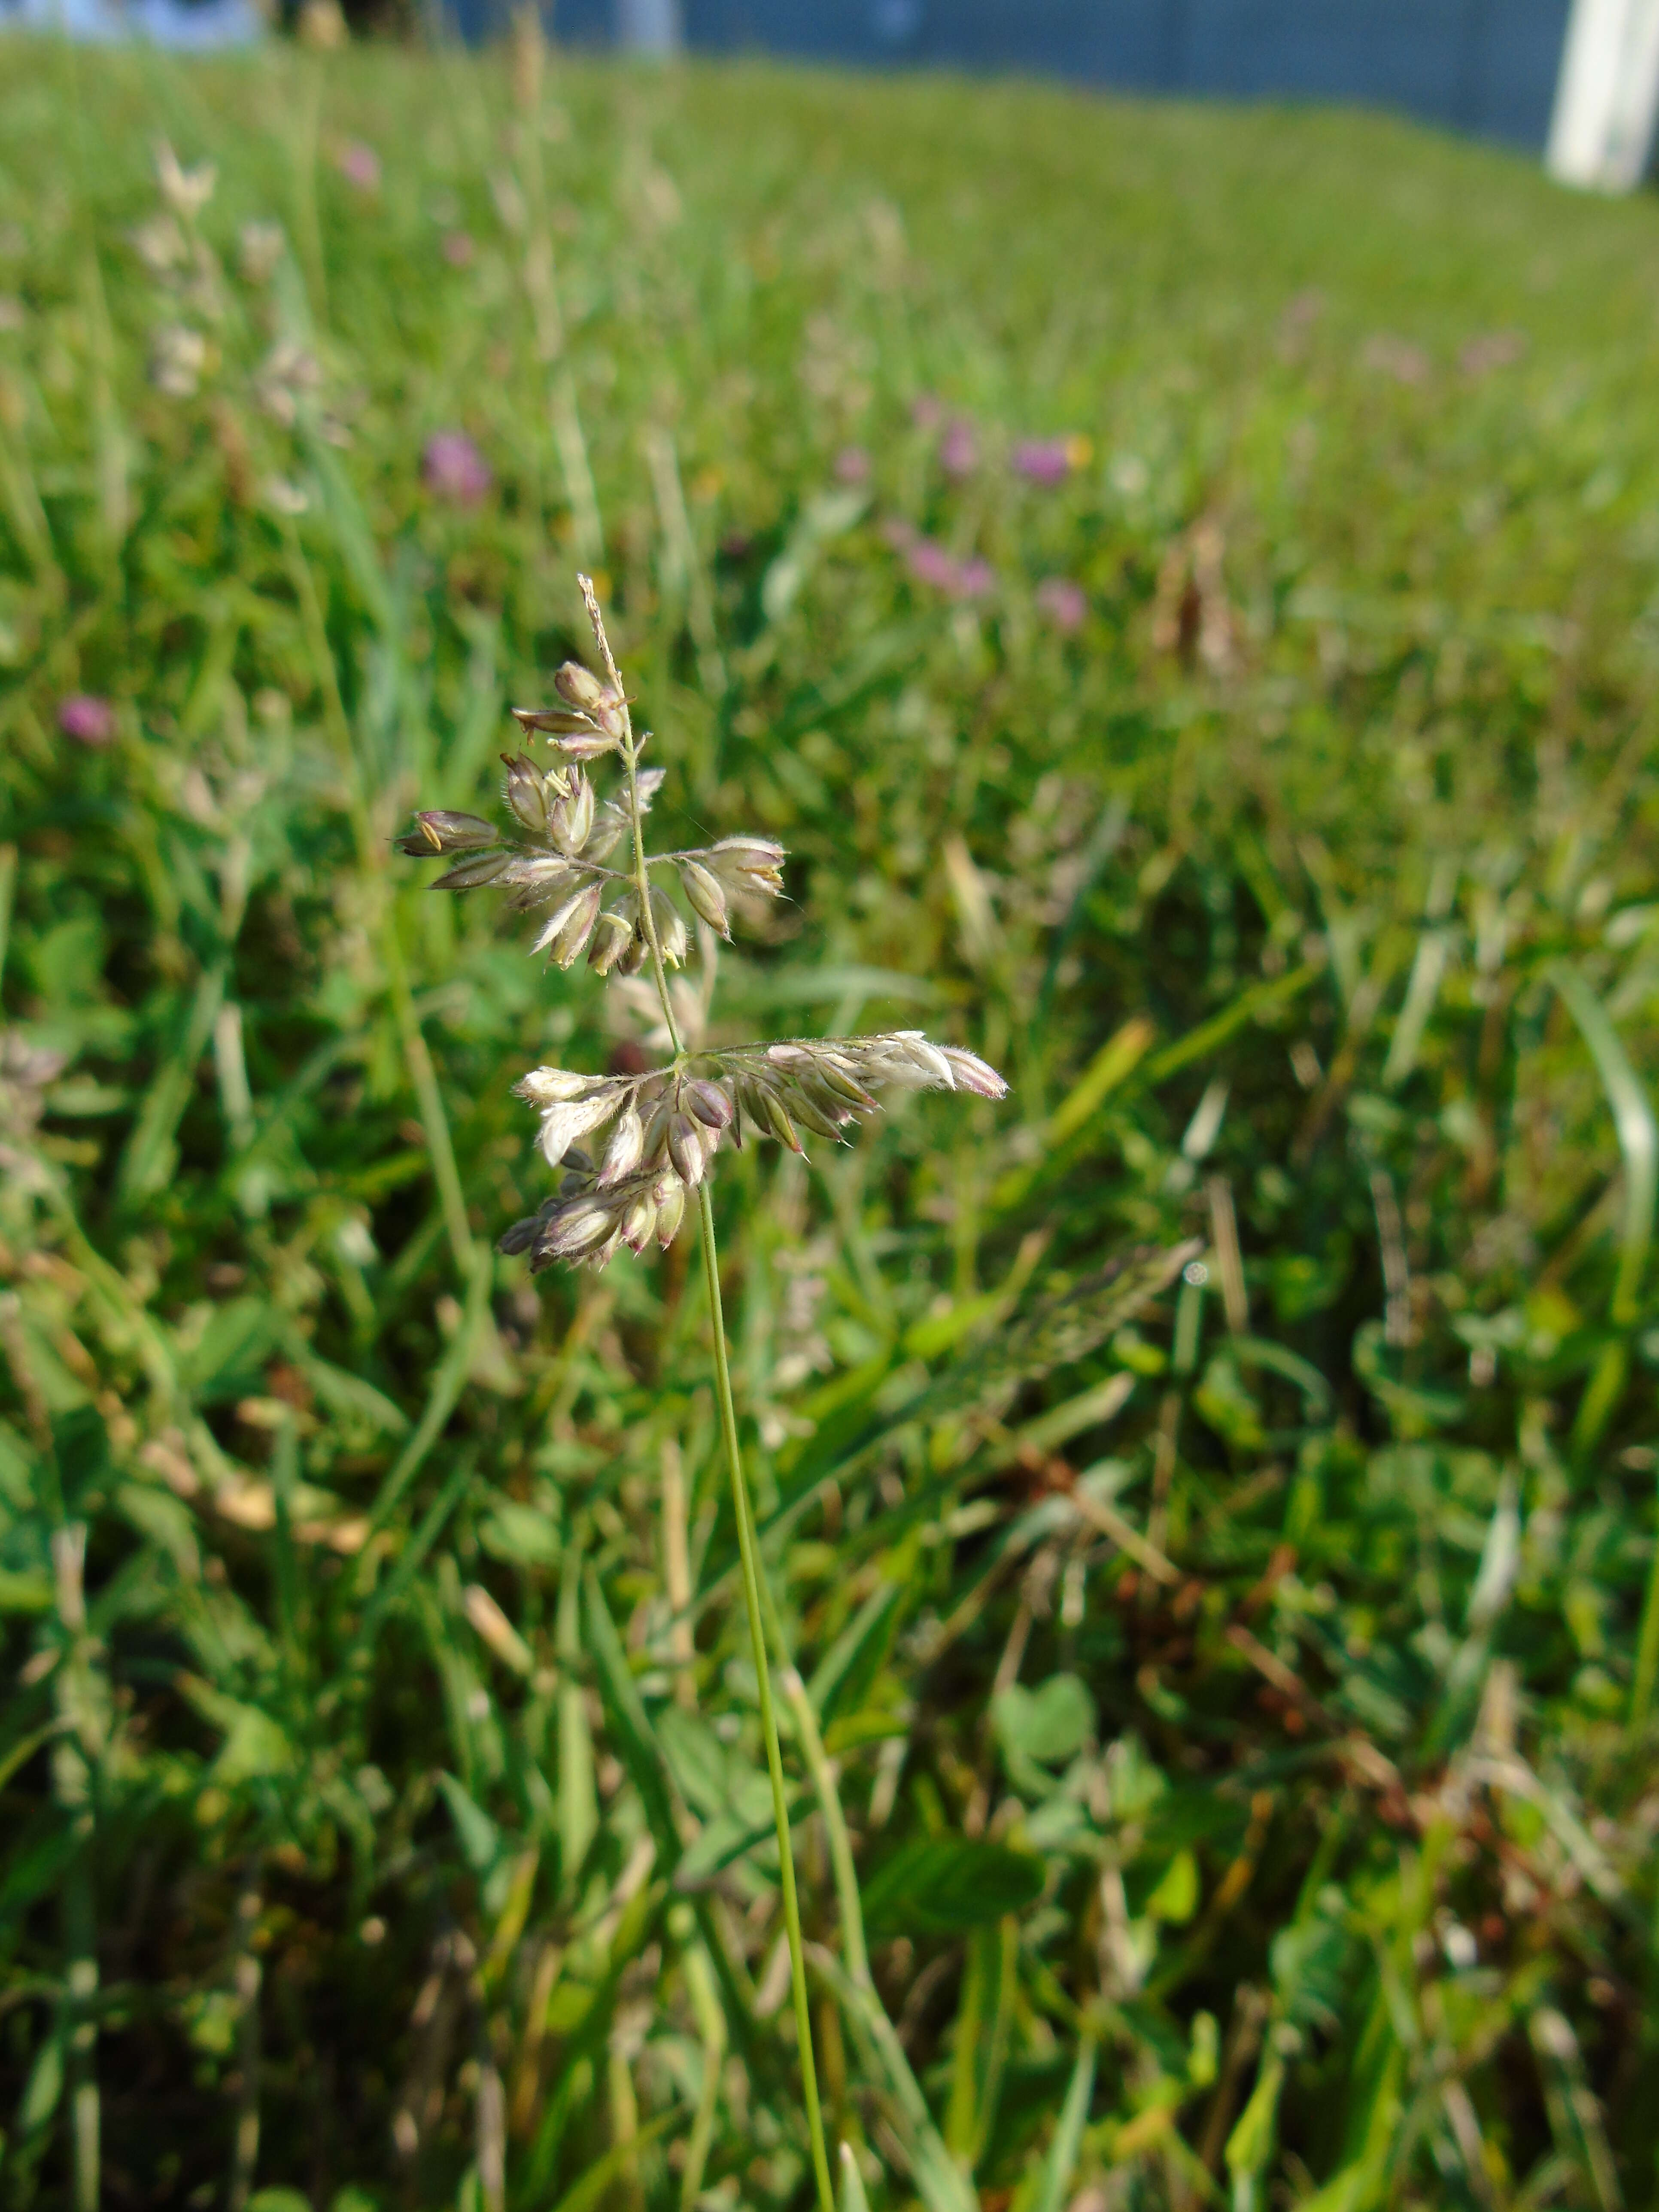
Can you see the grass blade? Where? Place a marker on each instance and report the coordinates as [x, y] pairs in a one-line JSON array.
[[1068, 2132], [447, 1387], [853, 2196], [1637, 1132]]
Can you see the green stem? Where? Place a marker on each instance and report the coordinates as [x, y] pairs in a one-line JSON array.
[[748, 1552], [834, 1825], [80, 1916], [76, 1789], [8, 886], [1647, 1648], [630, 759]]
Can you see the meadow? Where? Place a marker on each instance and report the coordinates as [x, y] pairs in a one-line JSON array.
[[1184, 587]]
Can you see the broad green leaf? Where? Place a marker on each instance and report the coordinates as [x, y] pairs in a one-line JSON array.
[[1050, 1723], [520, 1535], [1174, 1898], [941, 1885]]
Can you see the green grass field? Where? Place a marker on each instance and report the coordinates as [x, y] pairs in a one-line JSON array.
[[1185, 586]]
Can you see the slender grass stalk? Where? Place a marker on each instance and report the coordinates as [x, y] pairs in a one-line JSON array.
[[1646, 1673], [491, 2130], [248, 1976], [579, 1815], [748, 1549], [630, 759], [8, 890], [75, 1785], [853, 1946], [677, 1573], [85, 2103]]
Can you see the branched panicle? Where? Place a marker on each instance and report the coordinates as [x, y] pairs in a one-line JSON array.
[[650, 1139]]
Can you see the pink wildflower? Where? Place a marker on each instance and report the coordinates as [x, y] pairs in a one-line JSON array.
[[1063, 603], [929, 564], [934, 564], [926, 411], [359, 165], [455, 469], [852, 466], [89, 720], [459, 249], [959, 449]]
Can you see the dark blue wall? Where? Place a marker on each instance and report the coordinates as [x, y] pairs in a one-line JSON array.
[[1484, 66]]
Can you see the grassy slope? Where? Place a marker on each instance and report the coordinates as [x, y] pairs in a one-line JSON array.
[[1368, 671]]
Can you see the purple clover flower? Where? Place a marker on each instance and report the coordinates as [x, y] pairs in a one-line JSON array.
[[959, 449], [86, 720], [852, 466], [455, 469], [1045, 461], [1064, 603]]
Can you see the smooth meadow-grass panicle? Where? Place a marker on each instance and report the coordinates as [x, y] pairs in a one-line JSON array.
[[581, 862], [631, 1146]]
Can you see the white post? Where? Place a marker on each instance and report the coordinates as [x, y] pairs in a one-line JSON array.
[[648, 26], [1607, 97]]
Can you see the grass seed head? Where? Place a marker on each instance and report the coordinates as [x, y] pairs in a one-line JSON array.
[[668, 1125]]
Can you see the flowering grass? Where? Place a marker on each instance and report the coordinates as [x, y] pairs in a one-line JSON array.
[[1180, 586]]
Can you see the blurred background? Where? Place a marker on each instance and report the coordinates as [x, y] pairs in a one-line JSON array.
[[1491, 70], [1180, 574], [1581, 75]]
